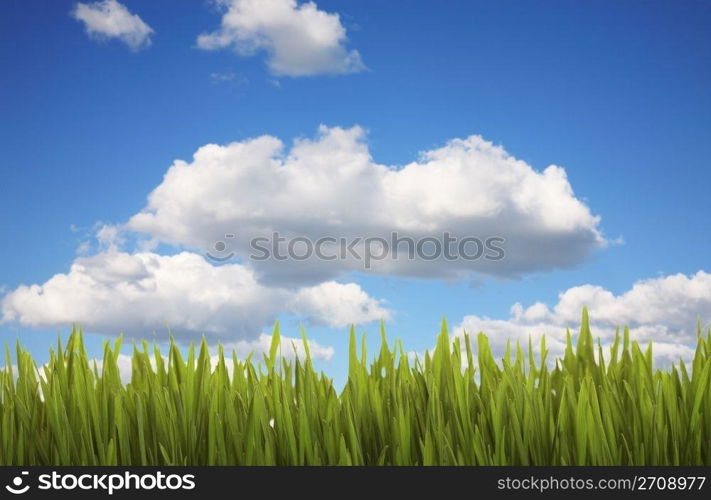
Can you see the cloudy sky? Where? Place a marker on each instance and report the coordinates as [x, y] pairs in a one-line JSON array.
[[138, 135]]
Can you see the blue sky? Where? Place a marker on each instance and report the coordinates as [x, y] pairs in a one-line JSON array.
[[618, 94]]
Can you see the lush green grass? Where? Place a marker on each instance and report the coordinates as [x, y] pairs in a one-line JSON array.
[[450, 408]]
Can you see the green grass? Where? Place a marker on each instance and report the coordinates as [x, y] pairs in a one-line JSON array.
[[452, 407]]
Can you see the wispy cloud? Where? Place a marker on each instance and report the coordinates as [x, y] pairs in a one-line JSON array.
[[228, 77], [109, 19]]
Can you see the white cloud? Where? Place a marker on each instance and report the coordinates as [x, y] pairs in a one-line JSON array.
[[226, 77], [114, 292], [663, 310], [299, 39], [110, 19], [291, 348], [342, 304], [330, 186], [109, 236]]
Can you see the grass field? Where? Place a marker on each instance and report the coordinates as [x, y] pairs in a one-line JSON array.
[[456, 406]]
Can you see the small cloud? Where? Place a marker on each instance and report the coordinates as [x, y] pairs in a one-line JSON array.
[[84, 248], [300, 39], [109, 19], [290, 348], [147, 244], [110, 236], [229, 77]]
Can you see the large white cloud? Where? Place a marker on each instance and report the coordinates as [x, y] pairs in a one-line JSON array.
[[110, 19], [299, 39], [330, 186], [141, 293], [663, 310]]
